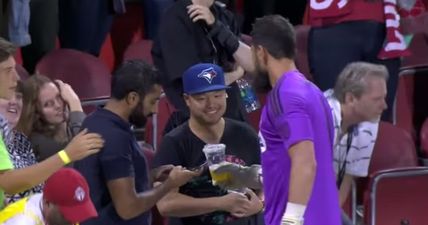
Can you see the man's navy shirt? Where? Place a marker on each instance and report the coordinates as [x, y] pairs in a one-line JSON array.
[[121, 157]]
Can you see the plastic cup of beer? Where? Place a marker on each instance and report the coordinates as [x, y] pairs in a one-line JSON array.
[[215, 154]]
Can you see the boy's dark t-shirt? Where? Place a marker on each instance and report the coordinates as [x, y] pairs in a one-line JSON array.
[[182, 147]]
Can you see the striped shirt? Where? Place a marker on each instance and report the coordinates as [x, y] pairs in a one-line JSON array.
[[363, 139]]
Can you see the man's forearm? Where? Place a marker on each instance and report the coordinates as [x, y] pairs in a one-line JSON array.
[[146, 200], [302, 174], [301, 182], [234, 75], [18, 180], [243, 57], [179, 205]]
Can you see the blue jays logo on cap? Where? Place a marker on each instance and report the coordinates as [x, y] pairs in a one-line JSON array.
[[203, 77], [208, 74]]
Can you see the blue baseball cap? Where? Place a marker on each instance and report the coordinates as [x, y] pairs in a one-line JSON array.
[[203, 77]]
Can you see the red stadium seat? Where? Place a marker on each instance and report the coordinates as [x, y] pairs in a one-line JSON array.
[[397, 197], [403, 107], [394, 148], [410, 109], [394, 153], [139, 50], [88, 75]]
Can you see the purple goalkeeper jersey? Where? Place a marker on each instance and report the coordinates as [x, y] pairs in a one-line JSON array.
[[295, 111]]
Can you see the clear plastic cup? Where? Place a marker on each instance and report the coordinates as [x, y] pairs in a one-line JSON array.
[[215, 154]]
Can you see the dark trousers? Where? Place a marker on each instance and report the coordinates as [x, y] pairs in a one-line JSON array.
[[85, 24], [332, 48], [152, 12], [3, 18], [43, 30]]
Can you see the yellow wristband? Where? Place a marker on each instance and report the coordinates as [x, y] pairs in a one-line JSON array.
[[64, 157]]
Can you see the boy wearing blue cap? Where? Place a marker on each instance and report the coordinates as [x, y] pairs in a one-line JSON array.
[[199, 202]]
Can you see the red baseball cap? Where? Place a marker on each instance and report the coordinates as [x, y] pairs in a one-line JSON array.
[[69, 191]]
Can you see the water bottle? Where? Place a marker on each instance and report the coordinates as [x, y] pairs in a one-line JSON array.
[[248, 96]]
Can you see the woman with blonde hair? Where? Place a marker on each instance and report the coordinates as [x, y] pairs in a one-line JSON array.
[[19, 147]]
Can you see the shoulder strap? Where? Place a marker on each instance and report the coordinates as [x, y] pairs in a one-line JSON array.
[[18, 208], [12, 210]]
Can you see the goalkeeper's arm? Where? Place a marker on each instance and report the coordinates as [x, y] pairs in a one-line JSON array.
[[303, 169]]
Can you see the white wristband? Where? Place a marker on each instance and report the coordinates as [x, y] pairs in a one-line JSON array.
[[291, 221], [294, 210]]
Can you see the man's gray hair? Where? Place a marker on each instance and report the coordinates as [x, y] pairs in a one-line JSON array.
[[353, 78]]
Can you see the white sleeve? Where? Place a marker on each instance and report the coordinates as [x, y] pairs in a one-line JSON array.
[[359, 156], [20, 220]]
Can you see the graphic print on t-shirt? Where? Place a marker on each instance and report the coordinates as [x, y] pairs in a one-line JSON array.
[[202, 186], [262, 142]]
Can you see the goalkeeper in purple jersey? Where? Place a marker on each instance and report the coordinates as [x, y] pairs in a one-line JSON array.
[[296, 134]]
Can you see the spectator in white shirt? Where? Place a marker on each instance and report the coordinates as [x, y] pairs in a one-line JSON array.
[[357, 102]]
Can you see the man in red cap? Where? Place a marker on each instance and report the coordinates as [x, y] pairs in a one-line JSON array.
[[65, 200]]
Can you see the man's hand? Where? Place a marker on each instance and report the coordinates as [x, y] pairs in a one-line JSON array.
[[219, 31], [256, 205], [237, 204], [161, 173], [234, 75], [240, 176], [83, 145], [180, 176], [200, 12]]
